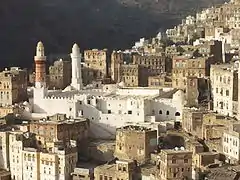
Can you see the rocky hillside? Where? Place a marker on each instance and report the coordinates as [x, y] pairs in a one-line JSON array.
[[91, 23]]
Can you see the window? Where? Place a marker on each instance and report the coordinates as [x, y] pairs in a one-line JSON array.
[[129, 112], [124, 169], [109, 111], [185, 160], [167, 113], [177, 114], [88, 101], [174, 161], [100, 177], [227, 92], [160, 111]]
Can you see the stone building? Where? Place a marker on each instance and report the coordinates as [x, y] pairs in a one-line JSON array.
[[17, 141], [231, 143], [55, 163], [134, 75], [59, 74], [96, 65], [120, 170], [59, 128], [192, 93], [154, 63], [159, 81], [192, 121], [184, 67], [11, 109], [224, 82], [211, 48], [26, 158], [136, 143], [117, 59], [82, 174], [175, 164], [13, 86], [4, 150]]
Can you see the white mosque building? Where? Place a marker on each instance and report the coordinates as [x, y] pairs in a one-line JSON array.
[[106, 106]]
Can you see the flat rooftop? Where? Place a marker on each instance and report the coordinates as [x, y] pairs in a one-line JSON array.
[[175, 151], [49, 121], [135, 128], [120, 93]]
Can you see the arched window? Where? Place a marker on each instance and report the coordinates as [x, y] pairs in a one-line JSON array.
[[177, 114], [167, 113], [160, 111]]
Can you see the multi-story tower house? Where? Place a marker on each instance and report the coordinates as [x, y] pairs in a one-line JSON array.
[[184, 67], [96, 64], [155, 64], [60, 128], [134, 75], [117, 58], [4, 150], [224, 82], [192, 92], [175, 164], [13, 86], [17, 141], [135, 143], [59, 74], [120, 170]]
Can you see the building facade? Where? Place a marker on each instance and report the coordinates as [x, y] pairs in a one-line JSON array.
[[136, 143], [184, 67], [59, 74], [96, 64], [119, 170], [13, 86], [117, 59], [175, 164], [224, 82], [154, 63], [134, 75]]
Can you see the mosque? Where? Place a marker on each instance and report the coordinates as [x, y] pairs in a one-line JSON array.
[[106, 106]]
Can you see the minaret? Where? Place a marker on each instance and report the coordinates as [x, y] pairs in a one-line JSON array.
[[76, 67], [40, 66]]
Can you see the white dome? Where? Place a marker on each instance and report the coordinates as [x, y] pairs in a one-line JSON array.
[[75, 49], [68, 88], [25, 103], [121, 84]]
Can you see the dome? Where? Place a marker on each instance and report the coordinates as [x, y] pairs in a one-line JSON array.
[[40, 44], [121, 84], [75, 49], [68, 88]]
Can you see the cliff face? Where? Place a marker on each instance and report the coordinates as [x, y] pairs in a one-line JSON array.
[[91, 23]]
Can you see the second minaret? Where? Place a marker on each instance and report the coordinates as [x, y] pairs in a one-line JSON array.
[[76, 68]]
